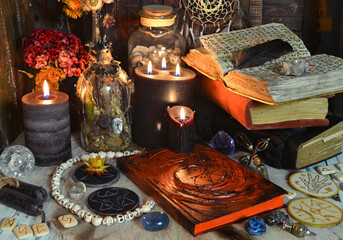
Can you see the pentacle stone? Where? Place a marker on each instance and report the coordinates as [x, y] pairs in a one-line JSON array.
[[17, 161], [255, 226], [110, 177], [112, 201], [155, 221], [223, 142]]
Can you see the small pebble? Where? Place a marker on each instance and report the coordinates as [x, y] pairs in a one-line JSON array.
[[255, 226], [155, 221], [276, 218]]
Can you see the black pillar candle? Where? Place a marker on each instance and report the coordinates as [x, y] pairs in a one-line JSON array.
[[47, 127], [155, 91], [181, 129]]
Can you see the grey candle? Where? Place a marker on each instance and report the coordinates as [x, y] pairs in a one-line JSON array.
[[47, 127]]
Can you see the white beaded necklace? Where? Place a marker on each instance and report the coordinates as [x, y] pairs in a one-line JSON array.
[[76, 209]]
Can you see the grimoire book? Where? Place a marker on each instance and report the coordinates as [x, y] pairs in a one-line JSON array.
[[203, 189], [254, 115], [265, 83]]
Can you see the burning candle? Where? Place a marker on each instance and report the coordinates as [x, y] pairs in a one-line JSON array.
[[153, 93], [149, 70], [164, 64], [47, 126], [177, 70], [181, 129]]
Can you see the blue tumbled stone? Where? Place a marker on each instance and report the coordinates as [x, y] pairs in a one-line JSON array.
[[255, 226], [155, 221]]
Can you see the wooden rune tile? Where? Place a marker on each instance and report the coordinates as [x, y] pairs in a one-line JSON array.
[[40, 229], [8, 224], [67, 221], [22, 231]]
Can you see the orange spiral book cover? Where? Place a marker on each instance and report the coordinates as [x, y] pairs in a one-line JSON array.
[[203, 189]]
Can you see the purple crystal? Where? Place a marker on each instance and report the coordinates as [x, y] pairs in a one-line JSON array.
[[223, 142]]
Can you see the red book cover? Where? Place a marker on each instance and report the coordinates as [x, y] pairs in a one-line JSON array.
[[238, 106], [203, 189]]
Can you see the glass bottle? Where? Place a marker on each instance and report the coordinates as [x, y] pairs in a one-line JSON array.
[[155, 39], [104, 90]]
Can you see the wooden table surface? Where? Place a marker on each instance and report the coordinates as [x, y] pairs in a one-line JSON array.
[[134, 230]]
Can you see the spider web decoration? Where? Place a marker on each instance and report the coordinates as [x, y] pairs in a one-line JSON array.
[[209, 13]]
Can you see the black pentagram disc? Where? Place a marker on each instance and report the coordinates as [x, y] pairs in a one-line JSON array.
[[107, 179], [112, 201]]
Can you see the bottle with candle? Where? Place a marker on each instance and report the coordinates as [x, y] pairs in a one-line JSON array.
[[104, 90], [155, 39]]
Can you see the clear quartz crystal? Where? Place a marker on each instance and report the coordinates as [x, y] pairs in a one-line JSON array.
[[77, 191], [17, 161]]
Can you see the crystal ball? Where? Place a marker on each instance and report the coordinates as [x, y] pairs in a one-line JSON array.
[[77, 191], [17, 161]]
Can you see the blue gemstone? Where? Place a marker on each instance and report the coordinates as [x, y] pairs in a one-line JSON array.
[[155, 221], [255, 226]]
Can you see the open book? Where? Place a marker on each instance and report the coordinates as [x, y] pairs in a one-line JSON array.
[[265, 83], [255, 115]]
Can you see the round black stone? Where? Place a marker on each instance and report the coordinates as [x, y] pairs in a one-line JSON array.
[[110, 177], [112, 201]]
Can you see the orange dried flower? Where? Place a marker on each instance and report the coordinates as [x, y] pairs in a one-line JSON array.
[[72, 13], [52, 75], [96, 165], [72, 8]]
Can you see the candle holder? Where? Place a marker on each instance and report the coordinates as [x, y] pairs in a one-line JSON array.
[[155, 39], [181, 130]]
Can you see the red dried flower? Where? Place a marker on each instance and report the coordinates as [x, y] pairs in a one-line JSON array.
[[48, 47]]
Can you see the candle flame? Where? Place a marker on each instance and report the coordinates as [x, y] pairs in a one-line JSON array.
[[149, 68], [164, 64], [46, 92], [177, 70], [182, 115]]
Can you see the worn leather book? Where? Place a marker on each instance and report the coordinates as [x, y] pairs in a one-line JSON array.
[[261, 79], [203, 189], [291, 148], [254, 115]]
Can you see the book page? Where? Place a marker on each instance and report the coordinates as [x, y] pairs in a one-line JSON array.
[[221, 45], [323, 77]]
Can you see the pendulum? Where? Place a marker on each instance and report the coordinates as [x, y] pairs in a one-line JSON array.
[[297, 229]]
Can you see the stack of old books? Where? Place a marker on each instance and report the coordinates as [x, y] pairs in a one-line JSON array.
[[261, 97]]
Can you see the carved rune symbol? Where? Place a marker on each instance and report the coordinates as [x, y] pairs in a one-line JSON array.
[[313, 184], [204, 174], [112, 200]]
